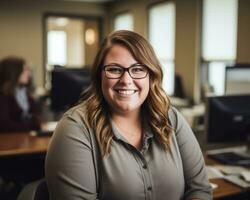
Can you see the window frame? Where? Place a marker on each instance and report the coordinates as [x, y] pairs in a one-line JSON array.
[[172, 61]]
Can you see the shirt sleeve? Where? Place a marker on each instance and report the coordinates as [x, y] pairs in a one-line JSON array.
[[196, 180], [69, 167]]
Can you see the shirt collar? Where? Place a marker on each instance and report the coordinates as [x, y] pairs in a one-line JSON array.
[[118, 136]]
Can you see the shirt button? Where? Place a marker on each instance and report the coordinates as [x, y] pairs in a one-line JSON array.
[[149, 188], [144, 166]]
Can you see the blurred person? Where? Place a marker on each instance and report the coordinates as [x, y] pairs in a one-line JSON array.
[[124, 141], [18, 110]]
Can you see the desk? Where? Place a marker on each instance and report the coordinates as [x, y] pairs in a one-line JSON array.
[[21, 161], [225, 190], [13, 144]]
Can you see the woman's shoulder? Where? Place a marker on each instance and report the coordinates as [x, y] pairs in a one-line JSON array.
[[73, 125], [176, 118], [76, 116], [78, 112], [173, 116]]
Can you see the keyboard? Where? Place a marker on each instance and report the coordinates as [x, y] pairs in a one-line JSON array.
[[44, 133], [231, 158], [49, 129]]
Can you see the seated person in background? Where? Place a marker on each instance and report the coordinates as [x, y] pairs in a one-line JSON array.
[[124, 141], [17, 107]]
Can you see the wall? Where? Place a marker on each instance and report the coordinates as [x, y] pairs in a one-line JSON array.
[[92, 49], [187, 56], [22, 27]]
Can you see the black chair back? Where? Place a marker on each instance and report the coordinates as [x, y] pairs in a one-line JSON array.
[[35, 191]]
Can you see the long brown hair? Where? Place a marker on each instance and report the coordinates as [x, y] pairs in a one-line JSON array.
[[156, 105], [10, 70]]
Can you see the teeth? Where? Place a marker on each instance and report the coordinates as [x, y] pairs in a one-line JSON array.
[[126, 92]]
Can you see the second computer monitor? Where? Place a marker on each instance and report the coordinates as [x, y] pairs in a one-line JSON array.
[[228, 119]]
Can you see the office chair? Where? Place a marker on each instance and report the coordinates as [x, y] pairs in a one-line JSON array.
[[36, 190]]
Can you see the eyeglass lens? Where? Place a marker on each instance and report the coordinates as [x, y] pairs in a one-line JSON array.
[[135, 71]]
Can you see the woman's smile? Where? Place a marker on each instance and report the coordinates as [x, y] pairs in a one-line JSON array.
[[125, 92]]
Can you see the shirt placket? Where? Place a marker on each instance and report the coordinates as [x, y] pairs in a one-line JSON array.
[[145, 171]]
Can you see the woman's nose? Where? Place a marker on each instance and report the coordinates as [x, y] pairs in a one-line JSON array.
[[126, 78]]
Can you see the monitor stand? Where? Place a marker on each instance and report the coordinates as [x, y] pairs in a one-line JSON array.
[[231, 158], [246, 151]]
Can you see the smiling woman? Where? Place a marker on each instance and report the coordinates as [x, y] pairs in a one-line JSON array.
[[124, 140], [123, 93]]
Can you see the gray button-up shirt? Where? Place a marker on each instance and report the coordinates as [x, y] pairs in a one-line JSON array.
[[75, 169]]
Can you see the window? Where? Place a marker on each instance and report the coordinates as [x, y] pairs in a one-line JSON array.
[[57, 48], [219, 40], [71, 42], [124, 22], [162, 38]]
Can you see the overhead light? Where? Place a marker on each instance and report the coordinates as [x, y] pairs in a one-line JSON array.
[[90, 36]]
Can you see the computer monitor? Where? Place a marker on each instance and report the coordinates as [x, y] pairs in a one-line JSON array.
[[227, 119], [237, 79], [228, 123], [66, 86]]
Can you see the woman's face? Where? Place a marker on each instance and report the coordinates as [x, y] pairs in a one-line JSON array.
[[125, 94], [25, 75]]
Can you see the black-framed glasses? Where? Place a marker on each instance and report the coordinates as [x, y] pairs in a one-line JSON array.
[[115, 71]]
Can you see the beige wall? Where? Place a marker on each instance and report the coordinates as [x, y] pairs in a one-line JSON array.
[[93, 48], [243, 46], [22, 29], [188, 45]]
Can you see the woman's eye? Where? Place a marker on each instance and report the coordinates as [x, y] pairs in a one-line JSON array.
[[138, 70], [114, 70]]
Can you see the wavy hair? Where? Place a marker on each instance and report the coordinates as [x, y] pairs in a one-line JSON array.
[[155, 106]]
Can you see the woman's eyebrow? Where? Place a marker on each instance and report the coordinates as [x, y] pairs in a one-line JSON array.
[[122, 66]]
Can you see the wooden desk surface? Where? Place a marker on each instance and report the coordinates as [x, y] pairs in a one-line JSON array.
[[225, 188], [22, 143]]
